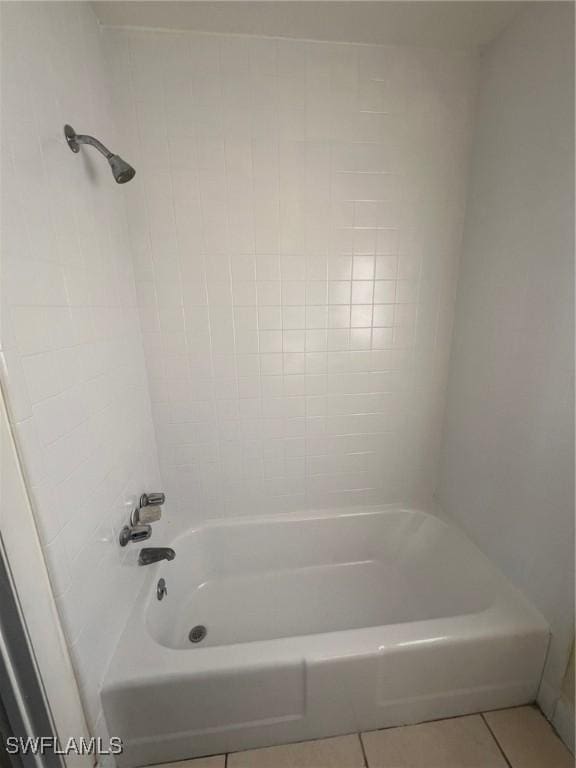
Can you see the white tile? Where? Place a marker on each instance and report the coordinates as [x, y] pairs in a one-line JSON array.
[[217, 761], [527, 738], [339, 292], [383, 315], [316, 292], [294, 293], [270, 318], [340, 268], [462, 741], [363, 268], [339, 316], [16, 382], [362, 292], [338, 752], [31, 329], [293, 318], [384, 292]]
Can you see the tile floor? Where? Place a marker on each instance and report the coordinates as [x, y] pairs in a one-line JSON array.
[[508, 738]]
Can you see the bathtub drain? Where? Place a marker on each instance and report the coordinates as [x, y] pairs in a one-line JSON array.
[[197, 633]]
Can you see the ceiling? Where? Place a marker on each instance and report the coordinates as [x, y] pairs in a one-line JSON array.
[[422, 23]]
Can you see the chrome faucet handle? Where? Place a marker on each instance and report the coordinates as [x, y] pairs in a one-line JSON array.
[[152, 499], [134, 533]]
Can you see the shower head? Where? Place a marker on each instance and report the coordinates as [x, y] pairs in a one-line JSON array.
[[121, 170]]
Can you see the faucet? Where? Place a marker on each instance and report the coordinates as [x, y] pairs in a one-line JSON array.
[[140, 519], [150, 555]]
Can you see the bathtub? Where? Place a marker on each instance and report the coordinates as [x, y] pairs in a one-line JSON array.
[[316, 624]]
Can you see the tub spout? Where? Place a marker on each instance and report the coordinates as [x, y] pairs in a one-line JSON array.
[[150, 555]]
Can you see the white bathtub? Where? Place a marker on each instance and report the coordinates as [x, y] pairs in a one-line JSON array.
[[317, 624]]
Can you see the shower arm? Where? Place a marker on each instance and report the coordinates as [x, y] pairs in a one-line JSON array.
[[85, 139], [75, 139]]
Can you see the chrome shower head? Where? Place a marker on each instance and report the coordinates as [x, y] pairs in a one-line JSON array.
[[121, 170]]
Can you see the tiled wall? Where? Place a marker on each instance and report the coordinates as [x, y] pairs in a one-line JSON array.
[[295, 227], [71, 346]]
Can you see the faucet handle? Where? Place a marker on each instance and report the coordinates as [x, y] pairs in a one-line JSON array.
[[134, 533], [152, 499]]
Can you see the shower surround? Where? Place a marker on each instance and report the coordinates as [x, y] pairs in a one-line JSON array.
[[295, 231], [284, 265]]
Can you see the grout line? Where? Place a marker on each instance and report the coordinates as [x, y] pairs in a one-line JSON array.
[[500, 748], [425, 722], [226, 760], [535, 705], [363, 751]]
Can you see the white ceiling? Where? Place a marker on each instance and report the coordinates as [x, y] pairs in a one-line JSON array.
[[429, 23]]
